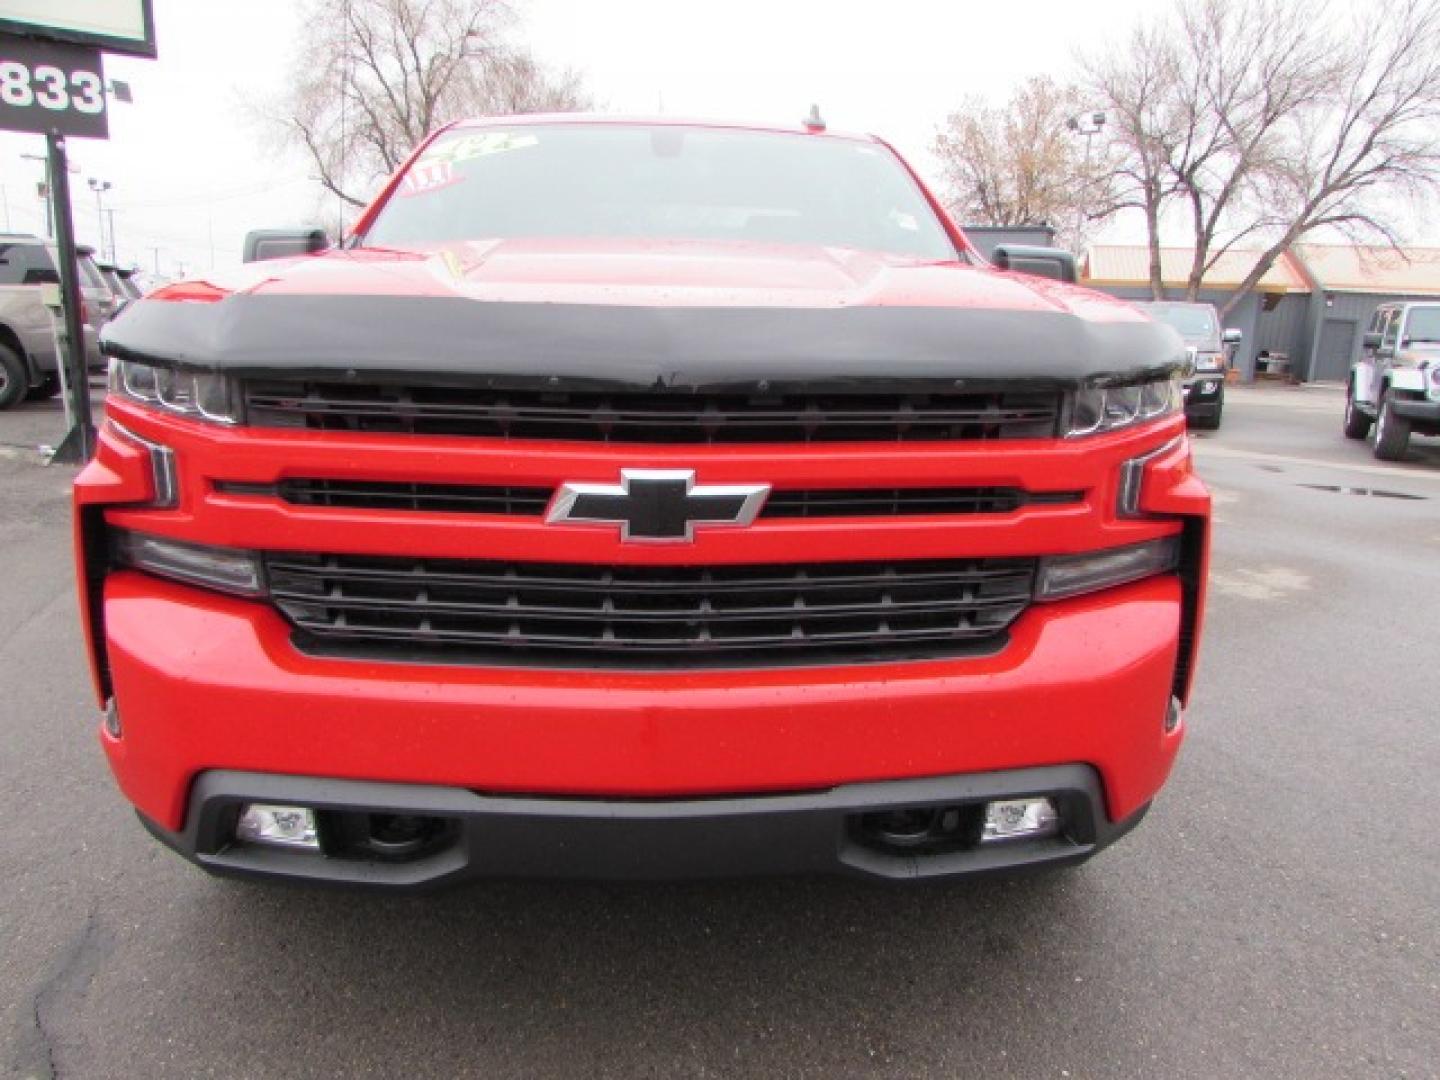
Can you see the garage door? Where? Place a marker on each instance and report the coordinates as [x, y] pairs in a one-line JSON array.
[[1337, 347]]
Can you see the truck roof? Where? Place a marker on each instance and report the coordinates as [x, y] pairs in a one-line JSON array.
[[531, 119]]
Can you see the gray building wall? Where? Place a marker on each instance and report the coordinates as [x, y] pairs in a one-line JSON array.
[[1320, 332], [1285, 328], [1330, 320]]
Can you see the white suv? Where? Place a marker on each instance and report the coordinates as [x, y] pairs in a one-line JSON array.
[[1396, 385]]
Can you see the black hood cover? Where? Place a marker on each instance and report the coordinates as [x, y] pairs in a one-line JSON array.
[[575, 346]]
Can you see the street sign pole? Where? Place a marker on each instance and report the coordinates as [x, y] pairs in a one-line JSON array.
[[79, 442], [51, 56]]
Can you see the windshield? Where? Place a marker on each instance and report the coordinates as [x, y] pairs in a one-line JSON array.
[[1423, 324], [660, 182], [1194, 324]]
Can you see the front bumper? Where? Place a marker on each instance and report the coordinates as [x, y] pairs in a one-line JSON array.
[[1204, 395], [204, 682], [490, 836], [1425, 412]]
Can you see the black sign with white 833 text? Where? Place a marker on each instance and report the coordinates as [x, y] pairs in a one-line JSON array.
[[47, 86]]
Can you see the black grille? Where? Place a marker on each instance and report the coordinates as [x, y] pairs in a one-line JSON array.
[[531, 501], [602, 616], [651, 417], [389, 495], [908, 502]]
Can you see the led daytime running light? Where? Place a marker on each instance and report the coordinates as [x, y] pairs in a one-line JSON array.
[[197, 395], [1098, 409]]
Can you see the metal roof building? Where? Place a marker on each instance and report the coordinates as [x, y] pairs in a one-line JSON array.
[[1309, 310]]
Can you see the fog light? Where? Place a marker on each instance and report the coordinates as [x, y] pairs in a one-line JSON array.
[[1015, 819], [280, 826]]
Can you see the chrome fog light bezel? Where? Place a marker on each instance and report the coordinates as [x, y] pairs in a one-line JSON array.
[[1009, 820], [274, 825]]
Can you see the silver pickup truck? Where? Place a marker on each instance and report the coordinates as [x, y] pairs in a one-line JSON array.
[[28, 364]]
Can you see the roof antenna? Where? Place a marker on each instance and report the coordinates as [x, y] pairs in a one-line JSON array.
[[814, 122]]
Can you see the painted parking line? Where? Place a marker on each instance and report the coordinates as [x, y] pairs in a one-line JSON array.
[[1205, 450]]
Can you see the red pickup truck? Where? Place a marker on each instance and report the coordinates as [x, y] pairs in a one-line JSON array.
[[636, 499]]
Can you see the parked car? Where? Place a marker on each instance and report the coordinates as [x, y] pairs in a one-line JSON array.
[[28, 364], [641, 498], [1395, 385], [119, 281], [1199, 325], [100, 302]]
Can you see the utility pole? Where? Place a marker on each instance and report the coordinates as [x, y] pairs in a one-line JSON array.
[[155, 253], [100, 187], [79, 444], [1089, 125], [110, 213]]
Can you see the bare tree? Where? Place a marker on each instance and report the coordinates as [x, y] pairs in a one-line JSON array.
[[1016, 164], [1268, 119], [1372, 141], [1138, 86], [376, 76]]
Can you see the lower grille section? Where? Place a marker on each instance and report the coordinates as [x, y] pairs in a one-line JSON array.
[[672, 617]]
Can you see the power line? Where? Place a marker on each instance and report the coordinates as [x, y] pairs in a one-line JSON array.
[[202, 200]]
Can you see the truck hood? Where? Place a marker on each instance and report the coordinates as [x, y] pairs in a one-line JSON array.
[[644, 314]]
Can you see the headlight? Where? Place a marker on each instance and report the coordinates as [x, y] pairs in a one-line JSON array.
[[1069, 575], [1120, 406], [198, 395], [227, 569]]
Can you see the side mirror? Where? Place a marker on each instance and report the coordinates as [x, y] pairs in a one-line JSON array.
[[1371, 341], [1040, 261], [283, 243], [1232, 337]]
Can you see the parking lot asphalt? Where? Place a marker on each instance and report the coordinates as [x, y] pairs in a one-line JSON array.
[[1276, 914]]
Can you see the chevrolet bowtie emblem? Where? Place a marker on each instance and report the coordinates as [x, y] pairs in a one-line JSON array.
[[657, 504]]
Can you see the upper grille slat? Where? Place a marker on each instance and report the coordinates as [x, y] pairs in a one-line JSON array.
[[532, 501], [651, 416], [618, 615]]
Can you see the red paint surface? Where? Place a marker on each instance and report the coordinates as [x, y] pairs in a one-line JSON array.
[[205, 681]]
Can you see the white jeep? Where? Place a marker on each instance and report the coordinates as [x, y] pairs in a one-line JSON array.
[[1395, 386]]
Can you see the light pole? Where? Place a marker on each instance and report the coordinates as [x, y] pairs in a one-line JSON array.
[[100, 187], [1089, 125]]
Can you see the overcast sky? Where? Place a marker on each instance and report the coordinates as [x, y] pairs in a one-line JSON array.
[[192, 168]]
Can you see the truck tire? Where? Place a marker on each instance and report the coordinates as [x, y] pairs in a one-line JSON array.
[[48, 387], [1392, 433], [1357, 424], [13, 381]]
